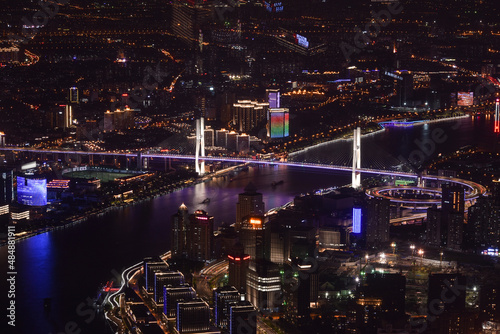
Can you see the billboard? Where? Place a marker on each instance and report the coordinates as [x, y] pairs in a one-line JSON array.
[[301, 40], [31, 191], [356, 220], [465, 98]]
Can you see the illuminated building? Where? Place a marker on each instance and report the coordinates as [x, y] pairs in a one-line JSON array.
[[172, 295], [497, 116], [252, 236], [376, 221], [231, 141], [495, 191], [200, 236], [276, 237], [188, 17], [483, 224], [221, 137], [193, 316], [68, 116], [299, 43], [489, 299], [6, 186], [180, 224], [165, 278], [248, 114], [222, 297], [120, 119], [452, 214], [363, 315], [238, 265], [433, 230], [209, 137], [405, 89], [73, 95], [300, 290], [273, 98], [2, 139], [301, 241], [58, 184], [31, 191], [278, 126], [242, 143], [9, 54], [333, 238], [242, 318], [249, 203], [4, 209], [356, 220], [150, 267], [18, 213], [263, 285]]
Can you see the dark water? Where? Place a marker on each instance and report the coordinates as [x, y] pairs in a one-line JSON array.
[[68, 265]]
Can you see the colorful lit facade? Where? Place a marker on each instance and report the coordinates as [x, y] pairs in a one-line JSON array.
[[278, 126]]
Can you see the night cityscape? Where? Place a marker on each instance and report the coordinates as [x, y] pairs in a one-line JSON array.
[[250, 167]]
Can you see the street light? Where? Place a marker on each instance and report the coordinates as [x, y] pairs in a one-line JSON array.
[[421, 253], [412, 246], [393, 245], [440, 259]]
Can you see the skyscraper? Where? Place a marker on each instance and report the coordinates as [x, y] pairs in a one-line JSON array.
[[242, 318], [238, 265], [452, 214], [483, 224], [263, 284], [167, 278], [172, 295], [187, 19], [433, 230], [150, 267], [180, 226], [248, 114], [377, 221], [6, 186], [278, 125], [273, 98], [252, 235], [222, 297], [193, 316], [200, 236], [249, 203]]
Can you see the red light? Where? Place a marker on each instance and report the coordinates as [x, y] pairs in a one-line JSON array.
[[229, 256], [238, 259], [246, 257], [124, 94]]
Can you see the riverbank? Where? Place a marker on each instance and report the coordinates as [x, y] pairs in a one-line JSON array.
[[72, 221]]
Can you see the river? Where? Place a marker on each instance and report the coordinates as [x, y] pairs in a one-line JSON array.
[[68, 265]]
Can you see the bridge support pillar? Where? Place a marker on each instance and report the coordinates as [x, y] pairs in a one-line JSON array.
[[200, 146], [139, 161], [356, 158]]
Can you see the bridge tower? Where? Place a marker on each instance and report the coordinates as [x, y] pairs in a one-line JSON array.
[[497, 116], [200, 146], [356, 158]]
